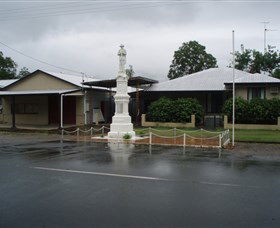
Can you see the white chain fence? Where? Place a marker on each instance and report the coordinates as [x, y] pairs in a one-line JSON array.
[[184, 138], [90, 131], [176, 137]]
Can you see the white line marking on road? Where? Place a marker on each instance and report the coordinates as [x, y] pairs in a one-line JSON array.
[[226, 184], [102, 174], [143, 177]]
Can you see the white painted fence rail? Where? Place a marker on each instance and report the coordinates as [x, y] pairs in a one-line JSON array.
[[78, 131], [178, 136]]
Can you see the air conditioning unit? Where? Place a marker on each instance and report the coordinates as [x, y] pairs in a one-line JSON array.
[[274, 90]]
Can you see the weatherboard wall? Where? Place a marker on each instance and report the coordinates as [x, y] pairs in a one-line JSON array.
[[40, 118], [40, 81]]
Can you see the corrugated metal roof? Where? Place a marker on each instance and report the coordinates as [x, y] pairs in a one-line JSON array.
[[7, 82], [213, 79], [36, 92], [256, 78], [74, 79]]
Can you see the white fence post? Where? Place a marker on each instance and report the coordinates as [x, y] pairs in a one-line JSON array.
[[150, 140], [184, 140], [200, 137], [78, 131], [220, 140], [91, 131]]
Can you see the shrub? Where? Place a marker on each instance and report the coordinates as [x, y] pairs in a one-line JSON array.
[[256, 111], [127, 136], [160, 110], [179, 110], [241, 110], [183, 108], [273, 110]]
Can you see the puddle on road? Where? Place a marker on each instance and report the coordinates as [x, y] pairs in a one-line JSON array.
[[102, 153]]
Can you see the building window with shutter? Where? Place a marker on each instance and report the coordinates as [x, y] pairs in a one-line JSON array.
[[26, 108], [256, 93]]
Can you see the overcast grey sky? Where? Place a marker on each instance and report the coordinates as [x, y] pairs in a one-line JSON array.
[[85, 36]]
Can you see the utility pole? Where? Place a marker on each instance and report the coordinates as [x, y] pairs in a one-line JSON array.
[[264, 35], [233, 88]]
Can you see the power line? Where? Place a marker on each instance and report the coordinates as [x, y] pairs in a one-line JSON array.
[[90, 11], [44, 8], [8, 10], [58, 11], [40, 61]]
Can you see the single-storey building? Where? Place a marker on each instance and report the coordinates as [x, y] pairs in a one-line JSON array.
[[53, 99], [213, 87], [4, 83]]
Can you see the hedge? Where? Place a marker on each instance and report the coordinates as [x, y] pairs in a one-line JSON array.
[[178, 110], [255, 111]]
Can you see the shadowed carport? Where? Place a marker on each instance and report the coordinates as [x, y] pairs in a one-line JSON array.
[[137, 82]]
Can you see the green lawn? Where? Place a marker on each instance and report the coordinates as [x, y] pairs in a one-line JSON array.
[[240, 135], [257, 136]]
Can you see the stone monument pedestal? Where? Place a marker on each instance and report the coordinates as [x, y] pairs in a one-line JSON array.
[[121, 123]]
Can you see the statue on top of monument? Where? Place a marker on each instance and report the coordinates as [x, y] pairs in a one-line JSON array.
[[122, 56]]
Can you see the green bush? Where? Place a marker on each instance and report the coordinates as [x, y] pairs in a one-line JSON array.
[[179, 110], [241, 110], [160, 110], [185, 107], [256, 111], [127, 136]]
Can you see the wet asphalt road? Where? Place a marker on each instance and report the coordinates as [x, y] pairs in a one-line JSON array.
[[46, 183]]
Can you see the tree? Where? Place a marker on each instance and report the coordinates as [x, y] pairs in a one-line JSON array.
[[23, 72], [243, 60], [254, 61], [8, 67], [130, 71], [190, 58]]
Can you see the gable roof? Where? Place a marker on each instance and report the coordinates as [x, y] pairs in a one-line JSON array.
[[255, 78], [213, 79], [4, 83], [72, 79]]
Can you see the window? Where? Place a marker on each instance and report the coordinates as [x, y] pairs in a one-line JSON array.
[[256, 92], [26, 108]]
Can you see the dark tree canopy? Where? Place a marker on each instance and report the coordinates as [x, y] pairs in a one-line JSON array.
[[8, 68], [23, 72], [130, 72], [190, 58], [254, 61]]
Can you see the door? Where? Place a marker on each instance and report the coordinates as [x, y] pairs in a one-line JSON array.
[[54, 109], [69, 110]]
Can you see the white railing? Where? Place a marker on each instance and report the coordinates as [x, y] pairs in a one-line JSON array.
[[184, 138], [78, 131], [176, 136], [224, 138]]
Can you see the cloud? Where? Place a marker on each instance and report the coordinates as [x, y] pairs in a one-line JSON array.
[[89, 42]]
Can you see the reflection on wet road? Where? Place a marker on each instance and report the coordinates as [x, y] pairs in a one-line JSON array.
[[48, 183]]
